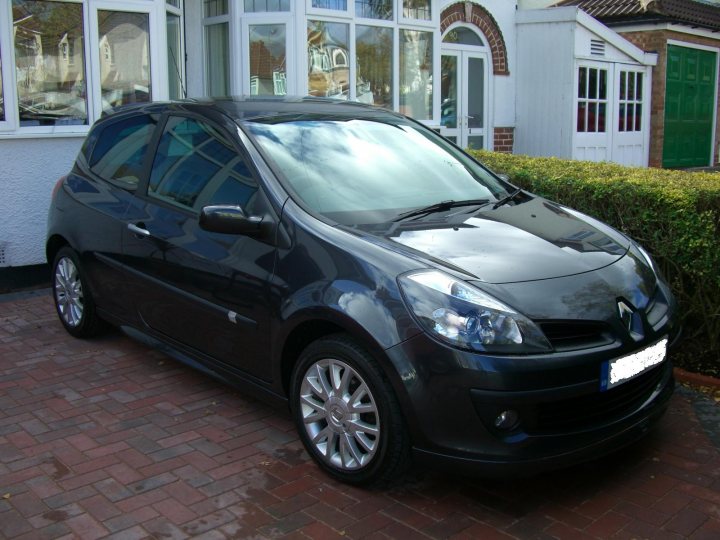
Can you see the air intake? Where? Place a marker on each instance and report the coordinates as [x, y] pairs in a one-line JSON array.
[[597, 47]]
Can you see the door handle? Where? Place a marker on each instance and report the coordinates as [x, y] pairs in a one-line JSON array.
[[138, 231]]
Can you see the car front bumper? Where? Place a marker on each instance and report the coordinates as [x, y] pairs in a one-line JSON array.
[[452, 399]]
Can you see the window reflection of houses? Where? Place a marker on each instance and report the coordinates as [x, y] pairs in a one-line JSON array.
[[268, 71], [49, 63], [124, 57], [328, 63]]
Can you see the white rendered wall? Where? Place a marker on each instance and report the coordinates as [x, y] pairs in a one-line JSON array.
[[30, 168], [546, 67]]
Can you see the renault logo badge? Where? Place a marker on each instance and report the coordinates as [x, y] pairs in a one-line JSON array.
[[626, 314]]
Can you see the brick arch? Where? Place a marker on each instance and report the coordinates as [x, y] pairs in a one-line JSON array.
[[471, 13]]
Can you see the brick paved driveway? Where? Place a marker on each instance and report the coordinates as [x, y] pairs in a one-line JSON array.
[[107, 437]]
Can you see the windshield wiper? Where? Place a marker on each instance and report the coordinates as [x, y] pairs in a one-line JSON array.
[[507, 198], [440, 207]]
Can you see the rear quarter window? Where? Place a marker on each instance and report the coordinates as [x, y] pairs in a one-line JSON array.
[[119, 149]]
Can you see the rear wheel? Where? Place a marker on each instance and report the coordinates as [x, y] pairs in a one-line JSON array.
[[347, 414], [73, 301]]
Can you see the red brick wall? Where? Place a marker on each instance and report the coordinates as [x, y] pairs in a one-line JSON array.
[[656, 41], [504, 139], [481, 18]]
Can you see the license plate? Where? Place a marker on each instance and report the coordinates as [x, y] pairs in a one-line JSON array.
[[620, 370]]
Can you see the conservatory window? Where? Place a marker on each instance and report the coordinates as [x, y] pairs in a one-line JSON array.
[[374, 64], [217, 48], [268, 63], [328, 59], [416, 67], [124, 41], [50, 63], [338, 5], [417, 9], [374, 9], [258, 6]]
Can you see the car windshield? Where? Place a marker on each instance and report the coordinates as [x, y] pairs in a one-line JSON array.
[[369, 169]]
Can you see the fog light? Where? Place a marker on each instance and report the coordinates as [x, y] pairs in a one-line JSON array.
[[506, 420]]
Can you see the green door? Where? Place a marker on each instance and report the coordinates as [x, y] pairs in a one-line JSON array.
[[689, 107]]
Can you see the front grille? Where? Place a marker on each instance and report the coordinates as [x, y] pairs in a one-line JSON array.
[[574, 335], [597, 408]]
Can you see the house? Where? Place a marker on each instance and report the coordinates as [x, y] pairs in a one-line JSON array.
[[491, 74], [685, 35]]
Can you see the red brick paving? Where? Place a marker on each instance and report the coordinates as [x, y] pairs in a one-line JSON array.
[[106, 438]]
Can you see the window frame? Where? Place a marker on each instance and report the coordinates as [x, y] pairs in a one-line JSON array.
[[179, 12], [228, 18], [10, 128], [267, 18]]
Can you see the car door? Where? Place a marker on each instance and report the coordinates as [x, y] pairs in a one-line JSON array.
[[202, 290], [106, 175]]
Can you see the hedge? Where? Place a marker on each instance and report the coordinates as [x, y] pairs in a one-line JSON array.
[[675, 215]]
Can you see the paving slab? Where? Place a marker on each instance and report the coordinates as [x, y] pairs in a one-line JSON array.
[[107, 438]]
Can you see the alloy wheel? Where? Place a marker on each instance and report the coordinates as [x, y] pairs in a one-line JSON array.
[[68, 292]]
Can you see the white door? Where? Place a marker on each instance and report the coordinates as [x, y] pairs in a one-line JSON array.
[[629, 145], [592, 111], [464, 98]]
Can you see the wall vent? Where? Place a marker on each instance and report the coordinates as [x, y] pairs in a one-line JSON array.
[[597, 47], [3, 252]]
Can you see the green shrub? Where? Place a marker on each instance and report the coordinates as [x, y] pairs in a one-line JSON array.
[[675, 215]]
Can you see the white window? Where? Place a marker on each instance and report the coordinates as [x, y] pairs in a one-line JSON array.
[[62, 62], [216, 24], [630, 101], [175, 53]]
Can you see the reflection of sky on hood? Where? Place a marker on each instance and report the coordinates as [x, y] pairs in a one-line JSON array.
[[365, 165]]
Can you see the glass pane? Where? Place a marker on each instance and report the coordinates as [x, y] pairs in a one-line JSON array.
[[582, 83], [603, 84], [196, 165], [581, 117], [631, 86], [374, 49], [638, 117], [174, 52], [2, 95], [592, 90], [49, 63], [623, 84], [120, 151], [267, 60], [623, 116], [448, 91], [476, 93], [416, 74], [215, 8], [417, 9], [463, 36], [374, 9], [452, 139], [330, 4], [638, 87], [328, 59], [257, 6], [174, 3], [475, 142], [124, 57], [217, 67], [601, 117]]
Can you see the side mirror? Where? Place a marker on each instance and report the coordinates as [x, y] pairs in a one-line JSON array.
[[229, 220]]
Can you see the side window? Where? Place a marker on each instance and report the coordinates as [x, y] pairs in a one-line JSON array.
[[120, 148], [196, 165]]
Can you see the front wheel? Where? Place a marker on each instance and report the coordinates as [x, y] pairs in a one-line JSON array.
[[347, 414], [73, 301]]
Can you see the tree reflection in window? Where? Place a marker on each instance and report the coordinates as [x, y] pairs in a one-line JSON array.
[[374, 9], [49, 63], [373, 49]]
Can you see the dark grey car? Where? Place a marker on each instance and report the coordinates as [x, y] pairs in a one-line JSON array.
[[401, 298]]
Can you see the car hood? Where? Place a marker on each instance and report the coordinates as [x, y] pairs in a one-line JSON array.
[[533, 240]]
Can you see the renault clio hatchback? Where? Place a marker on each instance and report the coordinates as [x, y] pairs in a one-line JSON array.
[[402, 299]]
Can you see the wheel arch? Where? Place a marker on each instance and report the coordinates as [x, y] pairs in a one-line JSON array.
[[53, 245]]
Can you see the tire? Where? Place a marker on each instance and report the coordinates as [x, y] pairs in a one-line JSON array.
[[73, 300], [347, 414]]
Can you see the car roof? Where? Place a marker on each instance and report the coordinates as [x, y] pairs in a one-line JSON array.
[[245, 108]]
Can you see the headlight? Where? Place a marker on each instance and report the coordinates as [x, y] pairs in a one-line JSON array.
[[467, 317]]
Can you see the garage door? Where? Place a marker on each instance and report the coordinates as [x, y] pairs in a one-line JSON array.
[[689, 107]]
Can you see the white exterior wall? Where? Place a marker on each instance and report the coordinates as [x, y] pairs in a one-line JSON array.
[[30, 168], [545, 102]]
